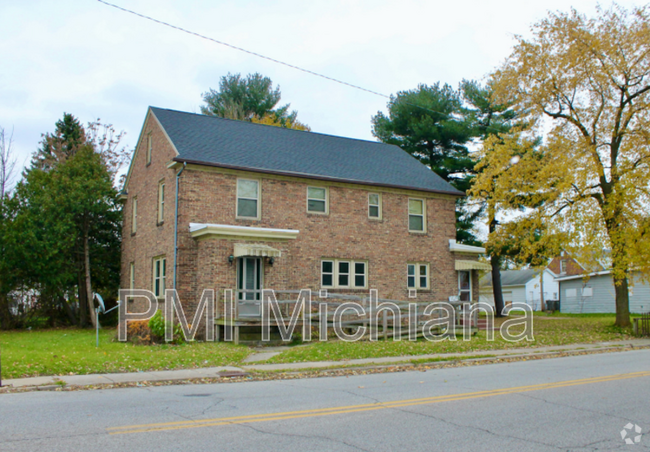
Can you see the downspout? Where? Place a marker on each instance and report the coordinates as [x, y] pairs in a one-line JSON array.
[[178, 175]]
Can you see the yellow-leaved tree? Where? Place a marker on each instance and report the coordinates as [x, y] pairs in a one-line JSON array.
[[584, 85], [271, 119]]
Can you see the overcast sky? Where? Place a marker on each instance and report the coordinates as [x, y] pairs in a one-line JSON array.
[[91, 60]]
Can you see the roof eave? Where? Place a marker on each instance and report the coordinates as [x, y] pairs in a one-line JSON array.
[[314, 176]]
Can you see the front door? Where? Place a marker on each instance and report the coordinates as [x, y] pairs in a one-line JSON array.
[[465, 285], [249, 285]]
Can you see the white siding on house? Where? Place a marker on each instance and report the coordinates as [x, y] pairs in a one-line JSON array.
[[575, 298], [528, 293]]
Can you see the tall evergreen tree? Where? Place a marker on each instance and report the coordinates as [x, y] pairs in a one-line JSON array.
[[487, 117], [251, 98], [57, 147], [431, 124], [66, 230]]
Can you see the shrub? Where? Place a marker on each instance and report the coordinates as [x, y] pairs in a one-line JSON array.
[[138, 332], [157, 327]]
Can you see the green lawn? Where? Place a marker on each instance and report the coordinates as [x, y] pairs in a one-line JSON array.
[[73, 351], [559, 329]]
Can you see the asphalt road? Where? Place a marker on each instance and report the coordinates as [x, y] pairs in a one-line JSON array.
[[579, 403]]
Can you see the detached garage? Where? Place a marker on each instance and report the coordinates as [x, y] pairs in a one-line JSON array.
[[595, 294]]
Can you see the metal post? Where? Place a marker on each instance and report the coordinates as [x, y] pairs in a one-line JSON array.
[[97, 327]]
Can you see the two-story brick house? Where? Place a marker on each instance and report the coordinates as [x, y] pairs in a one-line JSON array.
[[212, 203]]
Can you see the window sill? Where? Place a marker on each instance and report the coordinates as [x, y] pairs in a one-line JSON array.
[[345, 289], [418, 232], [256, 219], [320, 214]]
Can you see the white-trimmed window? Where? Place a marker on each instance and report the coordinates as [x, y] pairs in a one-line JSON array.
[[374, 206], [417, 276], [161, 201], [317, 200], [149, 149], [344, 273], [248, 198], [360, 272], [562, 267], [417, 212], [159, 276], [134, 216], [132, 275]]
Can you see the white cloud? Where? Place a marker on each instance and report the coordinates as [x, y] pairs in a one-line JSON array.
[[94, 61]]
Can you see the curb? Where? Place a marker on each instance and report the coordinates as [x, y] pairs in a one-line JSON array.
[[343, 370]]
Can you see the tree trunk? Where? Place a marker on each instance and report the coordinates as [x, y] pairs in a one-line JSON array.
[[614, 222], [83, 313], [622, 302], [68, 310], [495, 263], [497, 290], [89, 290], [5, 313]]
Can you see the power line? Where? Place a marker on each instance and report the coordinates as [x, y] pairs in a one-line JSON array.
[[243, 50], [316, 74]]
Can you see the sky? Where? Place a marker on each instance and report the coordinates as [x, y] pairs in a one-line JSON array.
[[96, 62]]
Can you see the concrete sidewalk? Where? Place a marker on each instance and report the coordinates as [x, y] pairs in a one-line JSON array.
[[229, 371]]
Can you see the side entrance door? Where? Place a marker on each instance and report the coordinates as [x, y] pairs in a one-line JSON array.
[[250, 277]]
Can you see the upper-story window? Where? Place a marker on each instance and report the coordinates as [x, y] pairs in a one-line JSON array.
[[562, 266], [374, 205], [159, 276], [149, 148], [134, 216], [248, 198], [161, 201], [417, 212], [317, 200]]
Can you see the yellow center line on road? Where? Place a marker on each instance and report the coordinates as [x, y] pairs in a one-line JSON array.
[[365, 407]]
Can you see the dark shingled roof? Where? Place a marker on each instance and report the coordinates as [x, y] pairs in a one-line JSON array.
[[510, 278], [227, 143]]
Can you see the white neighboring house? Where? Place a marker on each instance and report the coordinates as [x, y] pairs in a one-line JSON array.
[[520, 286]]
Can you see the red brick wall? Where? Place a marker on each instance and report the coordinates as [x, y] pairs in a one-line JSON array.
[[572, 267], [151, 239], [346, 233]]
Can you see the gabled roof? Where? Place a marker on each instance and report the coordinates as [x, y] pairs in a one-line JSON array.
[[227, 143], [510, 278]]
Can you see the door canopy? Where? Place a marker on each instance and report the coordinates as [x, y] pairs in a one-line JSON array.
[[246, 249]]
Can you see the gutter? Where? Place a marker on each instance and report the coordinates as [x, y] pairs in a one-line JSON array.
[[178, 175], [315, 177]]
